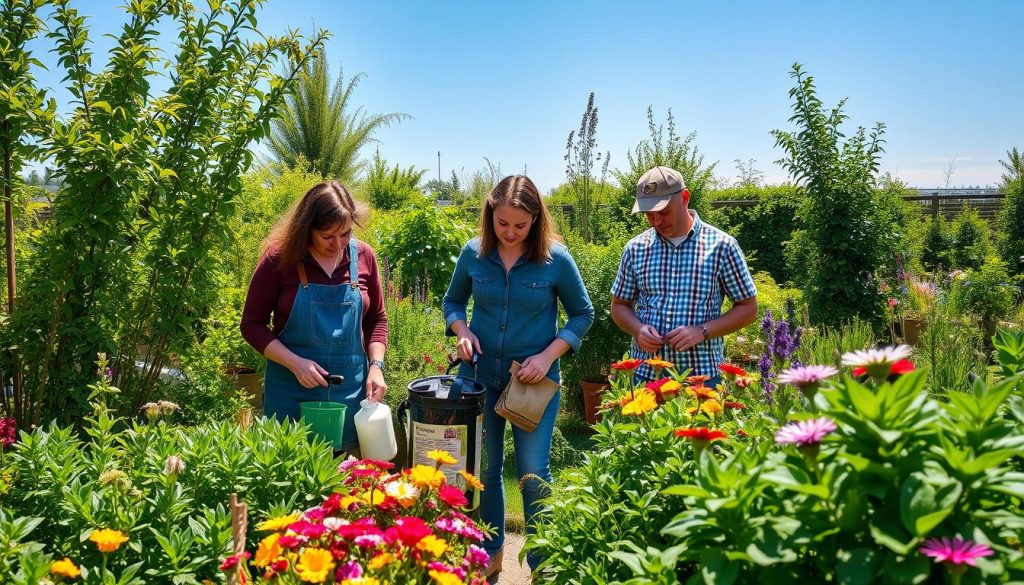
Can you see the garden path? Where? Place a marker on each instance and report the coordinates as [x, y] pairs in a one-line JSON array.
[[512, 573]]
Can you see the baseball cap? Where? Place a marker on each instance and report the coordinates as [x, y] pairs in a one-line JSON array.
[[656, 187]]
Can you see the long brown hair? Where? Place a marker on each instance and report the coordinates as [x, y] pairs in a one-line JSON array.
[[326, 204], [519, 191]]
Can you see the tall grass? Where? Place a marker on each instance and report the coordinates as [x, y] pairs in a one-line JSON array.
[[828, 344], [952, 349]]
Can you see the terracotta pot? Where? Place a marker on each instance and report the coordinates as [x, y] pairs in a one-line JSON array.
[[593, 394], [911, 330], [249, 381]]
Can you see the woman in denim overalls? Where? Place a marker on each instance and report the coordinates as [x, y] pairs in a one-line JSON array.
[[516, 272], [322, 287]]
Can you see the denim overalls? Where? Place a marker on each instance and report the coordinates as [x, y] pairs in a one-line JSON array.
[[325, 326]]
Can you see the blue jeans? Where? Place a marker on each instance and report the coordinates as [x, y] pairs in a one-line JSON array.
[[533, 456]]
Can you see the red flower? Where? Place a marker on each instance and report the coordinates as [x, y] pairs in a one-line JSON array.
[[410, 530], [903, 366], [627, 365], [731, 369], [452, 496], [663, 389], [700, 434], [736, 405], [428, 359], [332, 504], [232, 561], [8, 432], [741, 433]]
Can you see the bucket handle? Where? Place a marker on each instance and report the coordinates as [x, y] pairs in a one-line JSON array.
[[333, 380]]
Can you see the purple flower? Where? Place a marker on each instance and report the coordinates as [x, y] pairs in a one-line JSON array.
[[782, 344], [767, 325], [349, 570], [764, 366], [476, 557], [806, 433]]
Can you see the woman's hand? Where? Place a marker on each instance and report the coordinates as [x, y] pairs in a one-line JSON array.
[[308, 373], [467, 343], [534, 368], [376, 388]]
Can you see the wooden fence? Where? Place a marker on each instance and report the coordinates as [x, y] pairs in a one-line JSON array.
[[948, 204]]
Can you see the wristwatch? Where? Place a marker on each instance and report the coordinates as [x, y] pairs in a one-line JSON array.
[[705, 331], [378, 363]]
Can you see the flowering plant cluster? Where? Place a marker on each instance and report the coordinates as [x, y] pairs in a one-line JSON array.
[[867, 478], [409, 526]]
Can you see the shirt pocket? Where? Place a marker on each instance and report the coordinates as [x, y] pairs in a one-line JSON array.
[[535, 295], [486, 289]]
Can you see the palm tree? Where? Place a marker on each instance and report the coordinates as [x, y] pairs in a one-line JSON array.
[[1014, 164], [317, 124]]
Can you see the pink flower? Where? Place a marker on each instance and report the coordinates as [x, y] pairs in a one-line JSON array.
[[893, 302], [806, 433], [806, 375], [452, 496], [8, 432], [955, 552]]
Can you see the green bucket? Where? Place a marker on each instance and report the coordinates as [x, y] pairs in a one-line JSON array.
[[326, 419]]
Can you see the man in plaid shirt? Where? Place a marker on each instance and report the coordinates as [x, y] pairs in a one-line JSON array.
[[673, 278]]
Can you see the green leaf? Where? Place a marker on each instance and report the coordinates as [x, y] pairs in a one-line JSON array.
[[858, 566], [888, 532], [923, 506]]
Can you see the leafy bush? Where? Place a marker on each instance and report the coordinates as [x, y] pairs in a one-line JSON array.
[[936, 244], [424, 245], [124, 476], [1011, 225], [985, 292], [763, 230], [970, 240], [391, 188], [888, 469]]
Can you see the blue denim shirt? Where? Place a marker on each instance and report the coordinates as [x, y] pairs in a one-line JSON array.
[[515, 315]]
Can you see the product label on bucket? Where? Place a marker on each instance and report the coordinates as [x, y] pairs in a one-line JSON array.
[[451, 438]]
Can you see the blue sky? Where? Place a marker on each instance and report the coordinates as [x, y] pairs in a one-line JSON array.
[[509, 80]]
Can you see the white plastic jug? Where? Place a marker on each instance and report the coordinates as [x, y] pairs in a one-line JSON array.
[[376, 431]]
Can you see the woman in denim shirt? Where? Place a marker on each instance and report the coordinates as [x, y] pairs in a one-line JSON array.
[[515, 271]]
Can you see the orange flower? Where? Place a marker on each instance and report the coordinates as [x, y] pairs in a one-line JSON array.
[[658, 364], [471, 480], [710, 407], [702, 393], [65, 568], [697, 380], [108, 540]]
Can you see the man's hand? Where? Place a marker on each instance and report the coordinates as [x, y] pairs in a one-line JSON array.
[[684, 338], [649, 340]]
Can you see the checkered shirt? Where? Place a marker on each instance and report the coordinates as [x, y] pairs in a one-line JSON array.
[[672, 286]]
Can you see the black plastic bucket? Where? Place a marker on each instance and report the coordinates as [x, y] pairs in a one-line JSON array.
[[445, 413]]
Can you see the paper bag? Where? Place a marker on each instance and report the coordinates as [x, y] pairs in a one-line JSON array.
[[524, 404]]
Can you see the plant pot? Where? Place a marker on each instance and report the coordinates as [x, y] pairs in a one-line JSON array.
[[250, 382], [593, 394], [911, 330]]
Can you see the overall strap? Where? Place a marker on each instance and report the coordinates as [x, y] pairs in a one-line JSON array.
[[302, 274], [353, 263]]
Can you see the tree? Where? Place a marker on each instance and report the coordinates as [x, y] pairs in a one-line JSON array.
[[317, 123], [389, 188], [1014, 165], [845, 247]]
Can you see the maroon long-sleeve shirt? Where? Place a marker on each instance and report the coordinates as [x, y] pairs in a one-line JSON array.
[[272, 293]]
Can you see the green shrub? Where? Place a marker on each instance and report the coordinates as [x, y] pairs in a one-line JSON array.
[[763, 230], [424, 246], [388, 188], [985, 292], [117, 476], [1011, 225], [970, 240], [936, 244]]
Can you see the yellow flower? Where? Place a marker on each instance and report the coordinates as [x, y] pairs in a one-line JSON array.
[[268, 551], [442, 578], [380, 561], [426, 476], [314, 565], [472, 480], [403, 492], [348, 500], [361, 581], [65, 568], [432, 545], [108, 540], [708, 407], [377, 495], [278, 523], [643, 401], [442, 457]]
